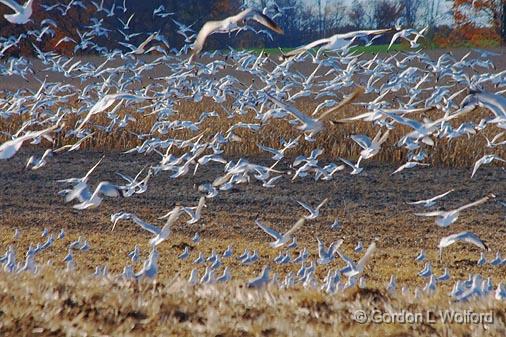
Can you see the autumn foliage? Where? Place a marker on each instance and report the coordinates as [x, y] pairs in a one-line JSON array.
[[467, 31]]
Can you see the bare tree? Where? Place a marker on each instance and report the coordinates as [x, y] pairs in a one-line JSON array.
[[385, 13], [356, 14], [411, 8]]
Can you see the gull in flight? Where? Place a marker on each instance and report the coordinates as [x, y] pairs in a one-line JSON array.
[[281, 239], [370, 147], [334, 42], [231, 24], [430, 202], [107, 101], [308, 124], [10, 147], [326, 255], [493, 102], [104, 188], [36, 163], [22, 13], [446, 218], [356, 168], [195, 212], [141, 49], [408, 165], [486, 159], [353, 269], [405, 34], [161, 234], [466, 237], [313, 212]]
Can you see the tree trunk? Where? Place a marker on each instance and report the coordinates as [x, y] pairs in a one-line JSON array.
[[503, 21]]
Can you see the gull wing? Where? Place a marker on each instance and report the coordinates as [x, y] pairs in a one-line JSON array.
[[367, 256], [305, 48], [475, 240], [13, 5], [207, 29], [107, 189], [148, 40], [434, 213], [334, 246], [165, 232], [262, 19], [146, 226], [347, 162], [475, 203], [362, 140], [442, 195], [295, 227], [276, 235]]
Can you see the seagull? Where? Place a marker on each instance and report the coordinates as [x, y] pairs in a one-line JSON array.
[[482, 260], [184, 255], [446, 218], [497, 260], [370, 147], [104, 188], [161, 234], [10, 147], [493, 102], [230, 24], [392, 284], [36, 163], [353, 269], [308, 124], [326, 255], [261, 280], [228, 252], [500, 293], [408, 165], [430, 202], [195, 212], [313, 212], [140, 49], [22, 13], [486, 159], [227, 276], [444, 277], [336, 224], [356, 168], [334, 42], [426, 271], [465, 236], [281, 239], [421, 256]]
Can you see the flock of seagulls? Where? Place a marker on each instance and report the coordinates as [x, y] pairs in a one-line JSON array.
[[112, 89]]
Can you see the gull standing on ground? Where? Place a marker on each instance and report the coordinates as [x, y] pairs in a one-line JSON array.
[[261, 280]]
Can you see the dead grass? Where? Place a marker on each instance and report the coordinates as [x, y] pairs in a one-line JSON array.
[[334, 140], [55, 304]]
